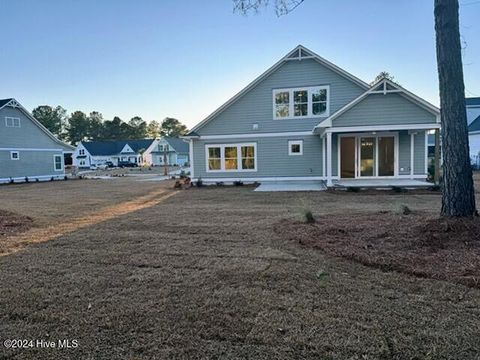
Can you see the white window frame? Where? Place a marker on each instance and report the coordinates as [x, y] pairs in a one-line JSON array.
[[14, 152], [291, 103], [295, 142], [55, 162], [7, 118], [222, 157]]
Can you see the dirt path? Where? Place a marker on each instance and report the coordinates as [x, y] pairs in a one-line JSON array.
[[12, 244]]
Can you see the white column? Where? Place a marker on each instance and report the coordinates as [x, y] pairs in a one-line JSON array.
[[412, 155], [329, 159]]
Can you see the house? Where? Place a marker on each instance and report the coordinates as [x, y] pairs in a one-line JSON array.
[[473, 120], [174, 150], [27, 148], [90, 153], [307, 119]]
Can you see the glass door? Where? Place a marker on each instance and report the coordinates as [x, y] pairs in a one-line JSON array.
[[347, 157], [367, 156], [386, 156]]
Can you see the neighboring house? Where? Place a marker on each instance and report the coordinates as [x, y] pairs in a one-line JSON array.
[[90, 153], [307, 119], [174, 150], [27, 148], [473, 120]]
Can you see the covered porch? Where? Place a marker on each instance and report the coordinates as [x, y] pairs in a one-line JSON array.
[[379, 156]]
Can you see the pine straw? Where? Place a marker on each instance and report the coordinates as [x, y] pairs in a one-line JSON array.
[[415, 244], [12, 224]]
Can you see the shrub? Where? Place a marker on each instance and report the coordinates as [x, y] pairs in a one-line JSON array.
[[308, 216], [37, 179], [238, 183], [435, 188], [398, 189], [353, 189], [199, 182], [177, 185], [406, 210], [52, 178], [11, 181], [219, 183], [27, 179], [65, 178]]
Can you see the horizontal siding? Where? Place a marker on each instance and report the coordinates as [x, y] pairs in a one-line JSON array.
[[28, 135], [31, 163], [257, 105], [404, 153], [272, 158], [379, 109]]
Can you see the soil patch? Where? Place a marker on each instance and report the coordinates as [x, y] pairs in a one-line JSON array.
[[416, 244], [12, 224]]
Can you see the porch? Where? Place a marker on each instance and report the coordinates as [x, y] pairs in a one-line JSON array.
[[381, 183], [388, 157]]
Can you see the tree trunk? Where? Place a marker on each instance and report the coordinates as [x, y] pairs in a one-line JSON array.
[[458, 198]]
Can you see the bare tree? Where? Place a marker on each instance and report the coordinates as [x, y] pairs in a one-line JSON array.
[[458, 195]]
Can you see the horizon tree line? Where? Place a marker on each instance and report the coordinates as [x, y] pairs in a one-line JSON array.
[[78, 126]]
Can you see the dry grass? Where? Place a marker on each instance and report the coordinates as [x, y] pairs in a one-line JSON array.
[[204, 274]]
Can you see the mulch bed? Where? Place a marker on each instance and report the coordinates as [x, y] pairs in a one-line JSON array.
[[12, 224], [416, 244]]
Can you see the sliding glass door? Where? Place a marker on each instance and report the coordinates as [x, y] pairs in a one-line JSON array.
[[386, 156], [367, 156]]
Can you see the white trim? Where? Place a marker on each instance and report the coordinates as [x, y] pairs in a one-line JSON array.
[[426, 153], [191, 158], [412, 154], [357, 137], [324, 147], [28, 149], [13, 122], [14, 158], [256, 135], [32, 178], [222, 157], [253, 179], [383, 128], [269, 71], [291, 102], [398, 89], [295, 142], [329, 159], [55, 162], [15, 104]]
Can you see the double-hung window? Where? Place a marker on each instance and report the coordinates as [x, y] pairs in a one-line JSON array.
[[301, 102], [58, 162], [12, 122], [231, 157]]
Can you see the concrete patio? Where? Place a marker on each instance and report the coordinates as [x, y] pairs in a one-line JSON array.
[[382, 183]]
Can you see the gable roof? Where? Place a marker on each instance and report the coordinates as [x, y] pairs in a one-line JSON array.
[[297, 54], [114, 147], [474, 101], [382, 86], [15, 104], [475, 125], [178, 144], [4, 102]]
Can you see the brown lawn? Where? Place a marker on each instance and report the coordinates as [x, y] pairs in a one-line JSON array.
[[134, 270]]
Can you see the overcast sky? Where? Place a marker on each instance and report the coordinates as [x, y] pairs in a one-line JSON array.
[[184, 59]]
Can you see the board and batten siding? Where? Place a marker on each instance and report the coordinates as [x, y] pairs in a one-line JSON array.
[[379, 109], [256, 106], [30, 164], [272, 158]]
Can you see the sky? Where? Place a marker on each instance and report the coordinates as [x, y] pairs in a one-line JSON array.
[[185, 58]]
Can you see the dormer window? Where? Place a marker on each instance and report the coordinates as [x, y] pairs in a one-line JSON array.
[[301, 102]]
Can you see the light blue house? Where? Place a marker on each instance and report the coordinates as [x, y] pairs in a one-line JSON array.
[[171, 151], [27, 148], [307, 119]]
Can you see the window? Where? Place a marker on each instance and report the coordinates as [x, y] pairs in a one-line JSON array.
[[231, 157], [301, 102], [82, 162], [81, 152], [58, 162], [12, 122], [14, 155], [295, 147]]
